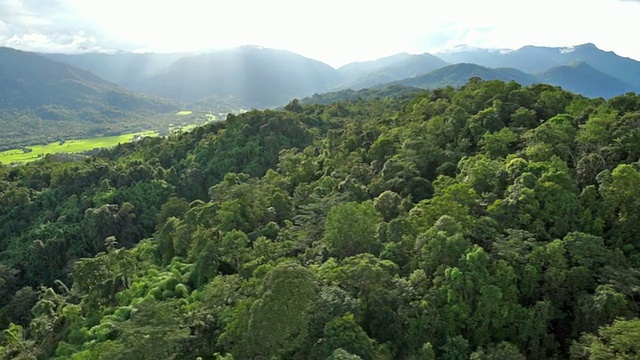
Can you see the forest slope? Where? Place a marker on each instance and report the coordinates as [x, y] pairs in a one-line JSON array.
[[490, 221]]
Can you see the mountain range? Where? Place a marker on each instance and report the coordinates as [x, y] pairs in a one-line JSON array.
[[578, 77], [260, 77], [536, 59], [108, 88]]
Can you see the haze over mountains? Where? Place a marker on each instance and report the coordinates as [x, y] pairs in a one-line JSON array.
[[259, 77], [111, 88], [123, 68], [262, 77]]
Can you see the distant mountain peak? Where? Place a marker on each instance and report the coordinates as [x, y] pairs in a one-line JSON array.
[[581, 47], [582, 78], [587, 46]]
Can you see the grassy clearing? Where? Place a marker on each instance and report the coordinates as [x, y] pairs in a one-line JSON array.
[[70, 146], [187, 121]]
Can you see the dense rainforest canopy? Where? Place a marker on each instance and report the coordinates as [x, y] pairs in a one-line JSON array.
[[493, 221]]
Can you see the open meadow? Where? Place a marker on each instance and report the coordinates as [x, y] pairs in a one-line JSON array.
[[184, 120], [31, 153]]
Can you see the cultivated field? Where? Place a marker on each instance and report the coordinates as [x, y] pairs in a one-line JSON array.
[[31, 153], [185, 120]]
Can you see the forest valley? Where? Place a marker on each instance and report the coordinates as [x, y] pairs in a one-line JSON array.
[[491, 221]]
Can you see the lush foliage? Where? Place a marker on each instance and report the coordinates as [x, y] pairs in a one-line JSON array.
[[493, 221]]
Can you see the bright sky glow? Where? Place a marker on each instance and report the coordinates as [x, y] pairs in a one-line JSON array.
[[332, 31]]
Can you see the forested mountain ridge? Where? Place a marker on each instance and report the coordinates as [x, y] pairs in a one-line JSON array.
[[490, 221], [458, 74]]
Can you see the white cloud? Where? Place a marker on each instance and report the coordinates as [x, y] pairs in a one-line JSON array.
[[56, 42], [334, 31]]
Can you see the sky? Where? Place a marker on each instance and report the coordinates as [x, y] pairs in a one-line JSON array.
[[333, 31]]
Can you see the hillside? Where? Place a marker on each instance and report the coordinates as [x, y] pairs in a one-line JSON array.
[[411, 66], [578, 77], [583, 78], [356, 70], [257, 77], [491, 221], [44, 100], [458, 74], [57, 91], [349, 95]]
